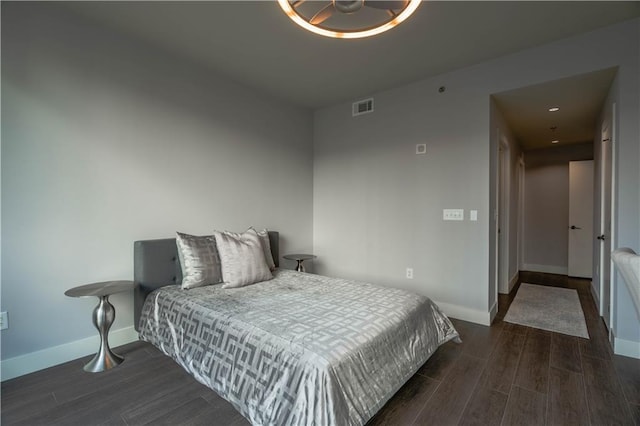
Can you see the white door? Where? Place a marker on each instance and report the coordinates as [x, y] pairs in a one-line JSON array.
[[605, 219], [580, 218]]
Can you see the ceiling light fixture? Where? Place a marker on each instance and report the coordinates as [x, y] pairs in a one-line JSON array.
[[554, 109], [556, 141], [379, 16]]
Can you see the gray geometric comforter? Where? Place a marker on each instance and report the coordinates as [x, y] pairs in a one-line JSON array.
[[300, 349]]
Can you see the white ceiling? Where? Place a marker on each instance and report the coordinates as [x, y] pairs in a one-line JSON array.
[[255, 44]]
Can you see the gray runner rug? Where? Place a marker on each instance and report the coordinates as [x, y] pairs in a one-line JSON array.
[[549, 308]]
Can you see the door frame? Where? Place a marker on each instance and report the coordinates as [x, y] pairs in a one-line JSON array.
[[504, 202]]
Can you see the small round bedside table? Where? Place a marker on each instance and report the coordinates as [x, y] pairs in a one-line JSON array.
[[299, 258], [103, 316]]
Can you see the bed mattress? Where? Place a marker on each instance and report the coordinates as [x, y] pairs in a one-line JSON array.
[[300, 349]]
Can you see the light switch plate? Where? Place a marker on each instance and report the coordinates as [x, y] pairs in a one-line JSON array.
[[473, 215], [453, 214]]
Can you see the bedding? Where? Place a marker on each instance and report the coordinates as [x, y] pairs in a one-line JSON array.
[[300, 349]]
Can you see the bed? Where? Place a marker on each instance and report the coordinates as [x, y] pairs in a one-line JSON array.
[[299, 349]]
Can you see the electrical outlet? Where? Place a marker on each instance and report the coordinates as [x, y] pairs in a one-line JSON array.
[[453, 214], [4, 321], [409, 273]]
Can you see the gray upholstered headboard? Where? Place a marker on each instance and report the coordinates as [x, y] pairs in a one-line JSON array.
[[156, 264]]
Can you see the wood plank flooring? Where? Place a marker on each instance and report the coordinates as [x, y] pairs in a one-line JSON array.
[[529, 376], [505, 374]]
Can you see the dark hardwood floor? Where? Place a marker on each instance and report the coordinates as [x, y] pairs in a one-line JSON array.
[[505, 374]]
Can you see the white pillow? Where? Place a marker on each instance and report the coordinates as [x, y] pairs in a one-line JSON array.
[[241, 258], [199, 260]]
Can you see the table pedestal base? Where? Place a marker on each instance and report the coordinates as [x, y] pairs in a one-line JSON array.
[[103, 316], [102, 361]]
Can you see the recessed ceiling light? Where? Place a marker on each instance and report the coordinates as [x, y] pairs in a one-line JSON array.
[[556, 141], [554, 109]]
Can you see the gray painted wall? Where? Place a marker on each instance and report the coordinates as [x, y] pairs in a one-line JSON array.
[[626, 324], [546, 206], [378, 206], [106, 140]]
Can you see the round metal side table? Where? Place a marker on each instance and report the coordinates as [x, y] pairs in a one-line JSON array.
[[103, 316], [300, 258]]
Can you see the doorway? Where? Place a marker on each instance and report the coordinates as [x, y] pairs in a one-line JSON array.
[[559, 119]]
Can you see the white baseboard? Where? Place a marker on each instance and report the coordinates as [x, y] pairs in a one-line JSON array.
[[34, 361], [465, 314], [492, 312], [549, 269], [626, 348]]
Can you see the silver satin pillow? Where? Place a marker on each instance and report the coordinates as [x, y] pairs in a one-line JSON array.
[[241, 258], [199, 260], [266, 248]]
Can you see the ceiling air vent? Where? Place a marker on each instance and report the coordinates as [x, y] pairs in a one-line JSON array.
[[362, 107]]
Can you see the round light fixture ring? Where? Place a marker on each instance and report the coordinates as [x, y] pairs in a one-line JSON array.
[[394, 20]]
